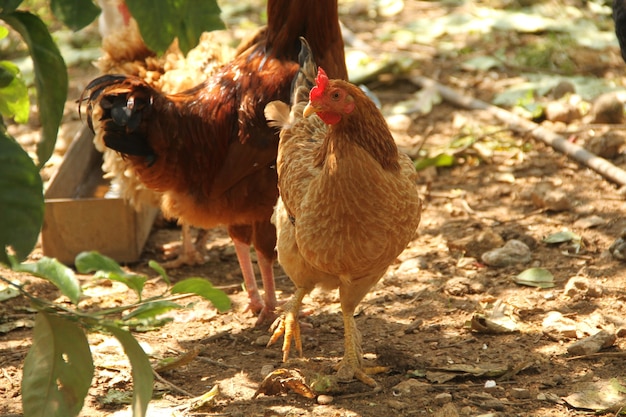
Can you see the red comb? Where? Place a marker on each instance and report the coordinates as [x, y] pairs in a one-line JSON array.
[[321, 82]]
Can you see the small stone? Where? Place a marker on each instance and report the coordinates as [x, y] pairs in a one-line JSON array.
[[266, 370], [396, 405], [607, 108], [607, 145], [520, 393], [581, 287], [262, 340], [448, 410], [458, 286], [443, 398], [592, 344], [513, 252], [589, 222], [562, 111], [618, 247], [399, 122], [562, 89], [325, 399], [410, 266], [476, 244], [410, 386], [558, 327], [545, 195]]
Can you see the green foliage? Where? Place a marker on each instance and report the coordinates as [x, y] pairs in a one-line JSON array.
[[174, 18], [59, 367], [440, 160], [55, 272], [141, 370], [57, 370], [204, 289], [50, 76], [535, 277], [21, 219], [106, 267], [75, 14], [14, 100], [21, 200]]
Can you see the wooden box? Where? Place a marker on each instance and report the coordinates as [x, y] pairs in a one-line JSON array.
[[76, 221]]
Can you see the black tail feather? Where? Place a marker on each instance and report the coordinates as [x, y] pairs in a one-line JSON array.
[[124, 102]]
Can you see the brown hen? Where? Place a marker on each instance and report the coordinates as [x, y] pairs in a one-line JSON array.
[[348, 201]]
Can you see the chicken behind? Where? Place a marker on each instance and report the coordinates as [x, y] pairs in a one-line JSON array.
[[348, 201]]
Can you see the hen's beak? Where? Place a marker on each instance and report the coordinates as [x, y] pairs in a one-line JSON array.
[[309, 110]]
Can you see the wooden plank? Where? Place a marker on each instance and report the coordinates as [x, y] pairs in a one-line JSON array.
[[75, 222]]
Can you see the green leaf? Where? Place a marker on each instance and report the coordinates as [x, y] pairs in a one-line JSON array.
[[204, 289], [141, 370], [55, 272], [535, 277], [21, 200], [160, 270], [87, 262], [106, 268], [562, 236], [57, 370], [441, 160], [75, 14], [185, 20], [153, 309], [50, 76]]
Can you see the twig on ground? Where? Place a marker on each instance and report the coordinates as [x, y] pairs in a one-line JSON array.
[[218, 363], [521, 125], [597, 354], [171, 385]]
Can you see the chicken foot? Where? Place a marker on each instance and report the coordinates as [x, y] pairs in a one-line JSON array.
[[265, 307], [287, 324], [190, 253], [351, 366]]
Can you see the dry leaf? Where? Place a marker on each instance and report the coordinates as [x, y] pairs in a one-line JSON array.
[[500, 320], [205, 400], [281, 381], [172, 363]]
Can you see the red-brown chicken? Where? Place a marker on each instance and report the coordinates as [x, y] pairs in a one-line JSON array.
[[348, 201], [209, 149], [124, 52]]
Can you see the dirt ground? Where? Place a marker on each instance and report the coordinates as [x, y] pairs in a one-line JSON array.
[[425, 320]]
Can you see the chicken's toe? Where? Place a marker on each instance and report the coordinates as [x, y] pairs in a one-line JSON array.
[[347, 371]]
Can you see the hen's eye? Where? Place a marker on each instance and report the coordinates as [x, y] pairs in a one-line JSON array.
[[335, 96]]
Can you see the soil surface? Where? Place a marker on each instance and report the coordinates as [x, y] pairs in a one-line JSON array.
[[457, 335]]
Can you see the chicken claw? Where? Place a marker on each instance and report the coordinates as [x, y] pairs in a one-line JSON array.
[[351, 366], [287, 324]]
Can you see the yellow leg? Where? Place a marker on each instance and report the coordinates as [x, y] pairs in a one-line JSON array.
[[287, 324], [351, 366]]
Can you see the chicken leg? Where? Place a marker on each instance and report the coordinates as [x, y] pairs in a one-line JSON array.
[[351, 366], [287, 324], [190, 252], [351, 292], [265, 307]]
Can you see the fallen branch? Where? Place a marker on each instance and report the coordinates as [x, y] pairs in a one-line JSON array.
[[521, 125]]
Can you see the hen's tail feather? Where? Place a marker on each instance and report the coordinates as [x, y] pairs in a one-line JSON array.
[[305, 78], [277, 113], [119, 104]]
